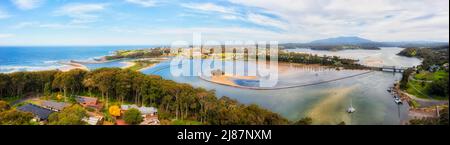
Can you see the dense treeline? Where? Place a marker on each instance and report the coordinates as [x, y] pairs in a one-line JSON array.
[[405, 78], [431, 56], [174, 100], [330, 47], [140, 53], [322, 60]]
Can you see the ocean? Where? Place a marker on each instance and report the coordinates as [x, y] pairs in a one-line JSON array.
[[13, 59]]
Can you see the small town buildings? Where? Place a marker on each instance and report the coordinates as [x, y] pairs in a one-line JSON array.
[[150, 120], [433, 68], [445, 66], [40, 113], [89, 102], [86, 101], [121, 122], [148, 113], [55, 106], [93, 120]]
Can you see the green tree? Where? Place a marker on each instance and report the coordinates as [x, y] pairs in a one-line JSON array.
[[342, 123], [4, 84], [443, 119], [133, 117], [304, 121], [4, 106], [69, 81], [405, 78], [72, 115], [439, 87], [14, 117]]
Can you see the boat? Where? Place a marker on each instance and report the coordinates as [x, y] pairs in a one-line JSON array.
[[398, 101], [351, 109]]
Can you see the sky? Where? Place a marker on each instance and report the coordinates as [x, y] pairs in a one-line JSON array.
[[154, 22]]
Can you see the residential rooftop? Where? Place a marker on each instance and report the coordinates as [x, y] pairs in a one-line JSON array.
[[40, 112]]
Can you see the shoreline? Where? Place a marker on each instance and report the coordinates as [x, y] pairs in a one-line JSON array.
[[71, 66], [131, 64], [422, 111], [227, 80]]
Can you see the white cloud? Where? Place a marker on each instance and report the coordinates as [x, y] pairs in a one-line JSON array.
[[380, 20], [231, 13], [81, 13], [222, 34], [209, 7], [27, 4], [144, 3], [4, 14], [3, 36], [265, 21], [24, 25]]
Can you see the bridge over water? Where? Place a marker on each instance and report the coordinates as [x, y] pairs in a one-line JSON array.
[[394, 69]]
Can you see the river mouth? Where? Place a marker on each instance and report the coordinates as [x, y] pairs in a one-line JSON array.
[[326, 102], [288, 75], [247, 83]]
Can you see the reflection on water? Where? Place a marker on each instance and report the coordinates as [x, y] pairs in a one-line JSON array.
[[325, 103], [110, 64], [247, 83], [386, 56]]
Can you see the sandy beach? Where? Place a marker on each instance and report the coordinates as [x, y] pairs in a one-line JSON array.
[[128, 64], [70, 66], [228, 79], [283, 69], [336, 100]]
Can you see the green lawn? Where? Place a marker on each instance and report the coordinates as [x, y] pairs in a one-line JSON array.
[[420, 89], [185, 122], [425, 75], [141, 64]]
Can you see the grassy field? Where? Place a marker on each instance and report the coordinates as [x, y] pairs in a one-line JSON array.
[[420, 89], [185, 122], [431, 76], [141, 64]]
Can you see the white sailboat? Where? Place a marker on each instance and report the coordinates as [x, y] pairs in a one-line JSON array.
[[351, 109]]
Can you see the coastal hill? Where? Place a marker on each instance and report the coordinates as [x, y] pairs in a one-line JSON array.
[[354, 42], [342, 40]]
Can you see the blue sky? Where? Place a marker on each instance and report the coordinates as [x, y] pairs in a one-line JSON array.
[[144, 22]]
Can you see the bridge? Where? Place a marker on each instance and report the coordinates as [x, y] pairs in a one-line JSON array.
[[393, 69]]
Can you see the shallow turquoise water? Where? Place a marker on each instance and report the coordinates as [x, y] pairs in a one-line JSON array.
[[23, 58], [325, 103]]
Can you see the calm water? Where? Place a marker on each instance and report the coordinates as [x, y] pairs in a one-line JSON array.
[[386, 56], [325, 103], [14, 59]]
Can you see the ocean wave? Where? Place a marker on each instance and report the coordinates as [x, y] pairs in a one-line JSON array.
[[50, 62]]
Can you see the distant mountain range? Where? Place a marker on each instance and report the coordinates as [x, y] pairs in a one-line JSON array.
[[342, 43], [342, 40]]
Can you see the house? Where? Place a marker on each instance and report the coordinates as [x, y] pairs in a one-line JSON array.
[[121, 122], [151, 111], [150, 120], [445, 66], [55, 106], [93, 120], [87, 101], [40, 113], [433, 68]]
